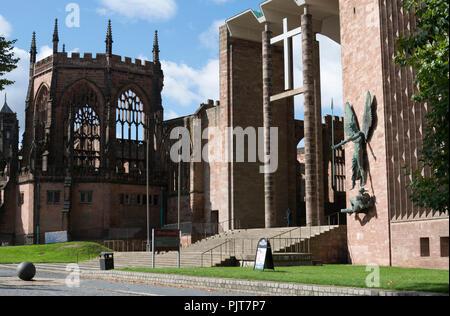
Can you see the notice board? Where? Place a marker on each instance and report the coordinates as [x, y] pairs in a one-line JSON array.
[[167, 240], [264, 258]]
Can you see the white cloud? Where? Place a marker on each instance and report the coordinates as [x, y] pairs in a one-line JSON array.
[[170, 114], [331, 75], [102, 11], [143, 57], [18, 91], [186, 86], [5, 27], [149, 10], [210, 38], [44, 52], [330, 72], [75, 50]]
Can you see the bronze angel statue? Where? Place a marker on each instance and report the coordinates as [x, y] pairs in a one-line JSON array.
[[359, 138]]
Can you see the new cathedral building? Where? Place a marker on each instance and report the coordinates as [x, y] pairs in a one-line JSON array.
[[95, 136]]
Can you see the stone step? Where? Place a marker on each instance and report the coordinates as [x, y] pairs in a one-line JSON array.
[[244, 243]]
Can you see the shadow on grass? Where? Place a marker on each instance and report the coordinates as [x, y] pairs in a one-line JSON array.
[[427, 287], [271, 271]]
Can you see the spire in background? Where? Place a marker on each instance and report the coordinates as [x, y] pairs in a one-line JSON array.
[[6, 108], [156, 48], [33, 50], [55, 38], [109, 40], [64, 48]]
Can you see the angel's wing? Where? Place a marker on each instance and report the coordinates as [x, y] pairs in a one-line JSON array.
[[368, 117], [351, 124]]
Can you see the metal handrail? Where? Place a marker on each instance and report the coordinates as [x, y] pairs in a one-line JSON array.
[[288, 243], [212, 249], [288, 232], [296, 242], [205, 229]]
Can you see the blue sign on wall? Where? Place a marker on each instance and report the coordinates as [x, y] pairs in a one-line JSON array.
[[56, 237]]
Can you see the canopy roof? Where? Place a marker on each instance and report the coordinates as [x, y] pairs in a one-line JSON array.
[[249, 24]]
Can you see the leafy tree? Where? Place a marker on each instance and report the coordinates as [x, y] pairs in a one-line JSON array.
[[426, 50], [7, 61]]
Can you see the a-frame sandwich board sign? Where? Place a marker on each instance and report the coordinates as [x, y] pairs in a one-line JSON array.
[[264, 258]]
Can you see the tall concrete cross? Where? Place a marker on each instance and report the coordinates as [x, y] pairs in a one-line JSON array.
[[286, 37]]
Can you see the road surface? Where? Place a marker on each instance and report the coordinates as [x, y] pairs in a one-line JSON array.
[[54, 284]]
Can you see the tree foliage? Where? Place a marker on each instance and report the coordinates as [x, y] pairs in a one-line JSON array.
[[426, 49], [7, 61]]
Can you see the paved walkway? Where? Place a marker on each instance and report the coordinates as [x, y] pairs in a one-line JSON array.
[[247, 287], [54, 284]]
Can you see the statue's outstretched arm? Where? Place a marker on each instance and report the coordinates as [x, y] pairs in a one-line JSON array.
[[340, 144], [354, 137]]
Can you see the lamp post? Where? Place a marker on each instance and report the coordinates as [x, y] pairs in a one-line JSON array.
[[333, 150], [179, 187], [147, 184]]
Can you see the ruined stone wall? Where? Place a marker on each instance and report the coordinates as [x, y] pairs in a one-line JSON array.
[[105, 77], [24, 220]]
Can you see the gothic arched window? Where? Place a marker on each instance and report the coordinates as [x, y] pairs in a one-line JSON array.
[[86, 138], [83, 129], [130, 127], [41, 108]]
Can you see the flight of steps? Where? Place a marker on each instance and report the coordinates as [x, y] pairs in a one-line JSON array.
[[237, 242]]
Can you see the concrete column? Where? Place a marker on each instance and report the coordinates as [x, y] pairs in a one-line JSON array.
[[310, 119], [267, 91], [319, 136]]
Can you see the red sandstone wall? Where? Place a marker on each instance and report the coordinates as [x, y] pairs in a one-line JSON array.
[[390, 234], [106, 217], [331, 247], [221, 175], [24, 216], [216, 174], [8, 212], [172, 207], [241, 92], [50, 215], [368, 235], [406, 243], [40, 80]]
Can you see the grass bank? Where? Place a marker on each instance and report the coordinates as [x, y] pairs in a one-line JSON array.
[[399, 279], [55, 253]]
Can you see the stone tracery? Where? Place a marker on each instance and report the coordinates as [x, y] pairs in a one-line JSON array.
[[130, 127]]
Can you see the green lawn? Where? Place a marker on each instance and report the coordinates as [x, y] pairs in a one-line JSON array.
[[339, 275], [54, 253]]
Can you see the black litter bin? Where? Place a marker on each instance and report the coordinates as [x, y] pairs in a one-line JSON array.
[[106, 261]]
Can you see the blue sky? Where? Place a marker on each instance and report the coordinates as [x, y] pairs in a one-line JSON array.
[[188, 35]]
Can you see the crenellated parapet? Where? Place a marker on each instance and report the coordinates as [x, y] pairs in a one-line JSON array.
[[88, 60]]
